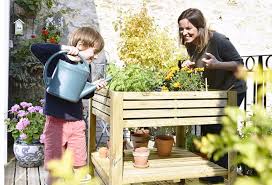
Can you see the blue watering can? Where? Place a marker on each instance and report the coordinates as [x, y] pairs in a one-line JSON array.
[[69, 81]]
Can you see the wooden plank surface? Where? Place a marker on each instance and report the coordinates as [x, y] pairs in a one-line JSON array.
[[102, 99], [116, 139], [20, 176], [180, 165], [168, 113], [9, 173], [102, 107], [173, 95], [32, 174], [174, 103], [43, 174], [101, 115]]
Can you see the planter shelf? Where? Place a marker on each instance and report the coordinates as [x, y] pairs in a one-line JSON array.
[[155, 109]]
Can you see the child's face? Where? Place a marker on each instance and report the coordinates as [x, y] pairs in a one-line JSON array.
[[87, 52]]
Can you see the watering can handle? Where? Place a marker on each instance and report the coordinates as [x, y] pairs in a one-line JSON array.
[[45, 77]]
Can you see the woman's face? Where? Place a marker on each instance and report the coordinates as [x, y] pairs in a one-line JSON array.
[[188, 31]]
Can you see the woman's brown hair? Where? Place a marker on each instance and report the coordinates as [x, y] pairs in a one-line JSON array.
[[89, 37]]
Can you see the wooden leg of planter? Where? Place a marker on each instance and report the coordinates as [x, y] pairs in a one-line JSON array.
[[232, 101], [116, 139], [180, 136], [232, 174], [91, 140], [180, 142]]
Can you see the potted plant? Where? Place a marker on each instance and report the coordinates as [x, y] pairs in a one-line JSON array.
[[26, 126], [141, 157], [140, 137]]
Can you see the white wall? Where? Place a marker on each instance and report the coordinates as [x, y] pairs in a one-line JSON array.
[[4, 53], [247, 23]]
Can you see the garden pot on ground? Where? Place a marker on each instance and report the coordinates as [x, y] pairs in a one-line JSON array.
[[28, 155], [141, 157], [164, 145], [103, 152]]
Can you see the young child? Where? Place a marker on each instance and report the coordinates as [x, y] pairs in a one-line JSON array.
[[64, 127]]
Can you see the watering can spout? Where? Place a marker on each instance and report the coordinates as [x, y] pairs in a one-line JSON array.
[[88, 89], [91, 87]]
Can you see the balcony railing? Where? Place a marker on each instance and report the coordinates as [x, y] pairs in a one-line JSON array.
[[254, 94]]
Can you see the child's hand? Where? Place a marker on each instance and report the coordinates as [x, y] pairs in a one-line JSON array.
[[100, 84], [87, 54], [70, 49], [72, 52]]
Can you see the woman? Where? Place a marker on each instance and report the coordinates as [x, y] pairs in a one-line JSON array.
[[214, 52]]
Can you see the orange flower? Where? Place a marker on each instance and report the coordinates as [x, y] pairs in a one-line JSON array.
[[52, 40], [45, 32]]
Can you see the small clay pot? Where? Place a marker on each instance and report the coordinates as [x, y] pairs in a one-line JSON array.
[[103, 152], [164, 145], [141, 157], [140, 139]]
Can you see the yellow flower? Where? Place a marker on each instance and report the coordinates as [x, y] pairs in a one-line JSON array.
[[177, 85], [189, 71], [164, 89]]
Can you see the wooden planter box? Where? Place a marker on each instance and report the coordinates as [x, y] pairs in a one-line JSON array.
[[150, 109]]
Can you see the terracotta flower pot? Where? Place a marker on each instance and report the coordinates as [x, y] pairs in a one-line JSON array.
[[103, 152], [140, 139], [141, 157], [164, 145]]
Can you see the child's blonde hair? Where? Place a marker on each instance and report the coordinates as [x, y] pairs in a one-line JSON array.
[[89, 37]]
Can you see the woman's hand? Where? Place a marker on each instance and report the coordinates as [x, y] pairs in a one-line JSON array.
[[210, 62], [187, 63], [100, 84]]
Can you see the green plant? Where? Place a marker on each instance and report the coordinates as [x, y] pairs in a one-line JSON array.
[[189, 143], [253, 143], [32, 7], [25, 70], [26, 122], [185, 79], [143, 43], [134, 77]]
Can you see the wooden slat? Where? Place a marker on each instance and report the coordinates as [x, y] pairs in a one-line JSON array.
[[91, 139], [173, 95], [20, 175], [116, 139], [100, 114], [102, 166], [9, 173], [101, 107], [43, 174], [181, 164], [232, 174], [104, 92], [174, 104], [32, 174], [171, 121], [166, 113], [102, 99]]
